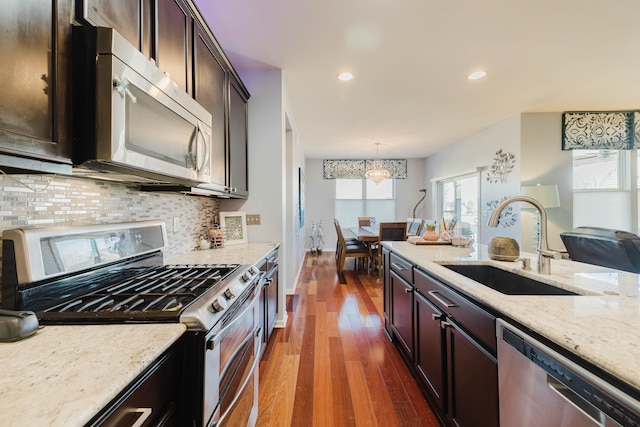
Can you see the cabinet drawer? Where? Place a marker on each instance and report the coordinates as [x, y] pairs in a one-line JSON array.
[[471, 317], [150, 401], [402, 267]]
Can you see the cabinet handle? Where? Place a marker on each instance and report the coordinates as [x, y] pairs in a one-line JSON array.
[[435, 316], [144, 414], [408, 290], [441, 299], [445, 325], [399, 266], [122, 86]]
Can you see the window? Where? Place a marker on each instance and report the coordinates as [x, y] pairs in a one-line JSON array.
[[458, 199], [363, 197], [604, 193]]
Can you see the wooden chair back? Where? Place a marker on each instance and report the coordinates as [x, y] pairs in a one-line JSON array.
[[364, 221], [395, 231]]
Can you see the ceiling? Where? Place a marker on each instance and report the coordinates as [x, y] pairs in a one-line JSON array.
[[411, 59]]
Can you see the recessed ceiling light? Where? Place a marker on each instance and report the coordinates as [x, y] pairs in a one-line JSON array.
[[477, 75], [346, 76]]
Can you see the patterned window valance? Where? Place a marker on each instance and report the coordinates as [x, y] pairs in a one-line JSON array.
[[593, 130], [355, 169]]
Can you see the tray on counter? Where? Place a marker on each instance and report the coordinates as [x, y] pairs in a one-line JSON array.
[[418, 240]]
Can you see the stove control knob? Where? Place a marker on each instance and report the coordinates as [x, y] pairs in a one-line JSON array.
[[229, 294], [218, 305], [246, 276]]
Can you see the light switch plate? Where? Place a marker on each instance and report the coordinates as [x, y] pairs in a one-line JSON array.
[[253, 219]]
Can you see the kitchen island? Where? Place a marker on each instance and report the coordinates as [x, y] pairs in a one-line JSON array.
[[601, 325]]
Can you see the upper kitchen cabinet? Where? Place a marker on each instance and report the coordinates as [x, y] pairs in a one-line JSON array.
[[238, 121], [35, 101], [131, 18], [173, 41], [209, 89]]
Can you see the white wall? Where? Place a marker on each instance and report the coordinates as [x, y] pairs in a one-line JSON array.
[[544, 162], [321, 196], [274, 157], [535, 139], [478, 151]]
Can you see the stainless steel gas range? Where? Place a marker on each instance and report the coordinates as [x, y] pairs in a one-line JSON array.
[[114, 273]]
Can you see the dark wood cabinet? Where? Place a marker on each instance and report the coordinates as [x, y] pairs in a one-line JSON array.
[[447, 340], [430, 348], [456, 353], [150, 400], [401, 312], [386, 292], [472, 374], [173, 41], [210, 90], [35, 101], [237, 140]]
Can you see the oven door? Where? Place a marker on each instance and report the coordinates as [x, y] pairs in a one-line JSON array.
[[231, 374]]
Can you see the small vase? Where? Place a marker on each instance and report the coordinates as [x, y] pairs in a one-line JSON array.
[[430, 235]]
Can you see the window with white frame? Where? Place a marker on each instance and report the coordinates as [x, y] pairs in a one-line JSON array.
[[604, 192], [363, 197], [458, 198]]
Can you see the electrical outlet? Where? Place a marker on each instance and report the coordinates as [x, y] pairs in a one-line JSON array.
[[253, 219], [176, 224]]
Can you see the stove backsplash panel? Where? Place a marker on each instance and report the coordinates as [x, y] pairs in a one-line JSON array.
[[61, 200]]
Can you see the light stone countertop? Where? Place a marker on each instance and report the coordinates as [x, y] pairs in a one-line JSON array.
[[601, 325], [249, 253], [64, 375]]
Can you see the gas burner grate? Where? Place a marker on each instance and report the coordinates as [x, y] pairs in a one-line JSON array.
[[159, 291]]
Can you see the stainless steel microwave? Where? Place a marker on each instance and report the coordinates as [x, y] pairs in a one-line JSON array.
[[131, 119]]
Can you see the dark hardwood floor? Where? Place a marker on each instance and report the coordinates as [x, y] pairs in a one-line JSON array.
[[333, 364]]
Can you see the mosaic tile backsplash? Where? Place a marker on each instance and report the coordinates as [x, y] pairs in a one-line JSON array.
[[64, 200]]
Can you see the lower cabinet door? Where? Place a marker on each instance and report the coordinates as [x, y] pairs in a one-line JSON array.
[[473, 381], [429, 348], [402, 312]]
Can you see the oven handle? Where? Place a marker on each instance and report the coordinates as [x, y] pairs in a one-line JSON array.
[[211, 342], [258, 331]]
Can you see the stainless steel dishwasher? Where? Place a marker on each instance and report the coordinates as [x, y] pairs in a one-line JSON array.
[[540, 387]]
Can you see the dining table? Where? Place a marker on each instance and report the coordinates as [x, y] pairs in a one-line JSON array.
[[365, 234]]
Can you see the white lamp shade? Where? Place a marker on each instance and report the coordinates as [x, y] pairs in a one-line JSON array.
[[547, 195]]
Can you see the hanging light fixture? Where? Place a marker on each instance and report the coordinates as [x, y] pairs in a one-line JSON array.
[[378, 173]]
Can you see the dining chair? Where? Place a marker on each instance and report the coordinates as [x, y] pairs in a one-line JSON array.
[[349, 249], [388, 231], [364, 221]]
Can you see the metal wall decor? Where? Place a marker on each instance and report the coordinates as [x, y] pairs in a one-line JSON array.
[[507, 217], [356, 169], [502, 164], [597, 130]]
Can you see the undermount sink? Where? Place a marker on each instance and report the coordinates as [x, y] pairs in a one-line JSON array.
[[504, 281]]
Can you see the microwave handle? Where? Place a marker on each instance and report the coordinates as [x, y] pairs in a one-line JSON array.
[[207, 151]]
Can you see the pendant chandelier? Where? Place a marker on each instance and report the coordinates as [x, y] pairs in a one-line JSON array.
[[378, 173]]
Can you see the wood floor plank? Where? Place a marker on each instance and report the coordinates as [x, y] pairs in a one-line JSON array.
[[333, 364]]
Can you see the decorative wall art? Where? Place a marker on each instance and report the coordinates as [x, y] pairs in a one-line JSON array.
[[502, 165], [234, 225], [603, 130], [507, 217]]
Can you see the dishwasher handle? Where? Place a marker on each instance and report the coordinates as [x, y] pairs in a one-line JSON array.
[[576, 400]]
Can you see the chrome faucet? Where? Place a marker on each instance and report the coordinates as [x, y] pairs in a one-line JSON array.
[[544, 253]]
